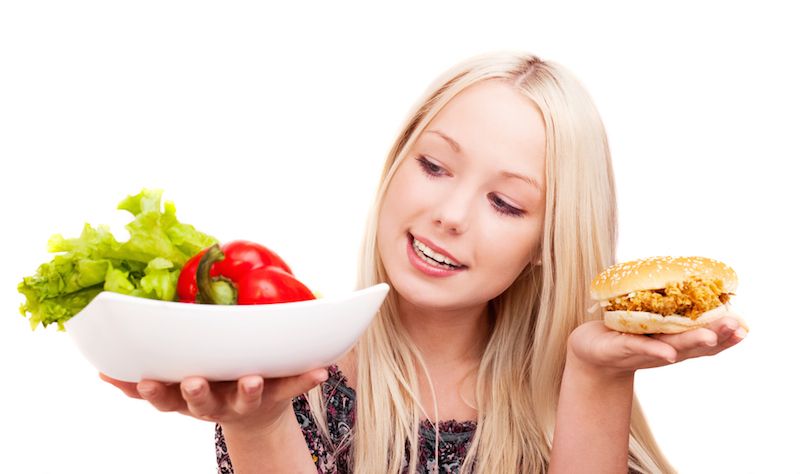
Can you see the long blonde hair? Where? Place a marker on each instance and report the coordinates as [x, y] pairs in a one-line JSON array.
[[519, 376]]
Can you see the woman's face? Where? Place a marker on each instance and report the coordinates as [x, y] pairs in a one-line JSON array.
[[472, 189]]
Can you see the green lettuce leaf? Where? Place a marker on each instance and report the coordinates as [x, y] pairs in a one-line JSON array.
[[160, 279], [57, 309], [146, 265]]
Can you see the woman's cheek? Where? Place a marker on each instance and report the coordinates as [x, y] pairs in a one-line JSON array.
[[520, 240]]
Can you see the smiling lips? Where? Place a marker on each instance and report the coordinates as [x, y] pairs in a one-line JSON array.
[[432, 260]]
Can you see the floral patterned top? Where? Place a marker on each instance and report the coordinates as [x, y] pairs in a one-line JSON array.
[[454, 437]]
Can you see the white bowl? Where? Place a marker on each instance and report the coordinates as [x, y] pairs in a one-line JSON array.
[[131, 339]]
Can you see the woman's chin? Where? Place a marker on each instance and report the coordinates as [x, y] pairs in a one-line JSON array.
[[426, 296]]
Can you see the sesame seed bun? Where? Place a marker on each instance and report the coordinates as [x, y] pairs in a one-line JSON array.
[[656, 272], [653, 274]]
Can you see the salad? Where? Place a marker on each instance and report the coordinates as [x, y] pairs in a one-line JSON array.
[[147, 265]]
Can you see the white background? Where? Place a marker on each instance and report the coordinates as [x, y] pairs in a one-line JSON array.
[[272, 123]]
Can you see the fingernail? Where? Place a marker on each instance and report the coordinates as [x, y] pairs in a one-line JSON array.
[[146, 390], [740, 333], [193, 387], [251, 387]]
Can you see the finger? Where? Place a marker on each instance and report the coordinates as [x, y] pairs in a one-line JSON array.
[[731, 330], [725, 328], [700, 338], [649, 347], [731, 318], [161, 396], [128, 388], [731, 341], [286, 388], [710, 340], [201, 401], [248, 394]]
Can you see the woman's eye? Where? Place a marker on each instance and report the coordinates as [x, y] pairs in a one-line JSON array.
[[434, 171], [504, 208], [429, 168]]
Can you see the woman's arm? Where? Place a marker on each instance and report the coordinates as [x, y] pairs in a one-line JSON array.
[[592, 421], [280, 448], [255, 414], [594, 408]]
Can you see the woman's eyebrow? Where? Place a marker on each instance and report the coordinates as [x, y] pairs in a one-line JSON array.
[[453, 144], [507, 174], [531, 181]]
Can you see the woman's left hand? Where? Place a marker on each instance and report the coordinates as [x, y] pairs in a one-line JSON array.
[[595, 346]]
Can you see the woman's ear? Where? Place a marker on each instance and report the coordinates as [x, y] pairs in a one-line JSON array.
[[537, 258]]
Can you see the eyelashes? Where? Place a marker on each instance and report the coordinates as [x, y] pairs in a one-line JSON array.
[[433, 171], [429, 168], [504, 208]]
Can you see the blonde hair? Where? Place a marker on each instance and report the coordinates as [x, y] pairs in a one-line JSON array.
[[519, 376]]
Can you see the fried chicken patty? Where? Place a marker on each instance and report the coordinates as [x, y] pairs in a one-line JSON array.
[[688, 298]]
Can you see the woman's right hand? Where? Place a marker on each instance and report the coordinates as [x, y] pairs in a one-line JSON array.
[[251, 403]]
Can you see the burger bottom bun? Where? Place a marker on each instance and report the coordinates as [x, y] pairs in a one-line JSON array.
[[641, 322]]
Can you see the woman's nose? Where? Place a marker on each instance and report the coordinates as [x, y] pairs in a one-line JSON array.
[[453, 214]]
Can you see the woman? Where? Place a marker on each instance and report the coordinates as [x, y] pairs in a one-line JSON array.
[[495, 209]]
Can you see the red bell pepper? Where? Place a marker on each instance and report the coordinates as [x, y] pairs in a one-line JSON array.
[[240, 272], [241, 256]]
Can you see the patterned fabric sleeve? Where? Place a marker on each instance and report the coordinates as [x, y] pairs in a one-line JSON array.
[[224, 465], [323, 459]]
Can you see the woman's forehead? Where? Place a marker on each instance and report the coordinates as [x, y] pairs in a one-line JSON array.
[[492, 122], [490, 115]]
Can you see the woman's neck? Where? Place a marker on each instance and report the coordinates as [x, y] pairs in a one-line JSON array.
[[451, 343], [447, 339]]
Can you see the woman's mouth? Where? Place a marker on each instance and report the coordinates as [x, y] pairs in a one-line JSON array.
[[429, 261]]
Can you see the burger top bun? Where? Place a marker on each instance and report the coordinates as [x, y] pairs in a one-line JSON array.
[[655, 272]]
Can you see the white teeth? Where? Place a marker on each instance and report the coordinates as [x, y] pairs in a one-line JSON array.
[[434, 255], [433, 262]]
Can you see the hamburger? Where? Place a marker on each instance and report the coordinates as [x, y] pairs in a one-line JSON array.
[[666, 295]]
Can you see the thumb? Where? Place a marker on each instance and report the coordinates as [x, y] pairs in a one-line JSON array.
[[287, 388]]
